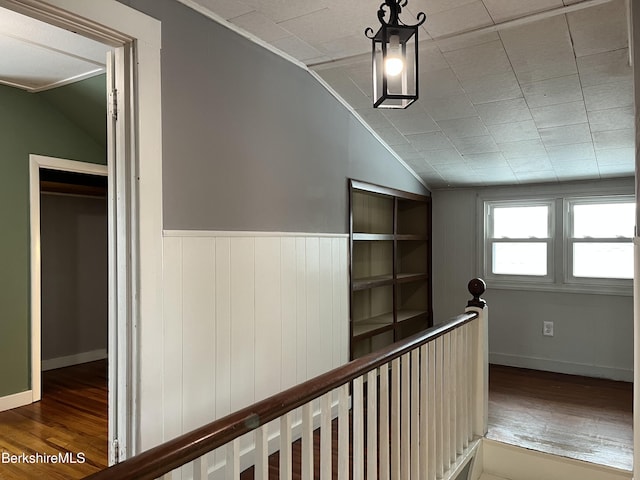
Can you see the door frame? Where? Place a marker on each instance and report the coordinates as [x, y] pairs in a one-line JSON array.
[[138, 220], [36, 162]]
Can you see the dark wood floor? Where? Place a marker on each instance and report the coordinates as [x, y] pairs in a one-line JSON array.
[[577, 417], [71, 417]]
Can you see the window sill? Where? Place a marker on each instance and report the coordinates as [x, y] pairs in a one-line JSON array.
[[615, 290]]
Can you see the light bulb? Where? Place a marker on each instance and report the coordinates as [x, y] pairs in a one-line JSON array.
[[394, 65]]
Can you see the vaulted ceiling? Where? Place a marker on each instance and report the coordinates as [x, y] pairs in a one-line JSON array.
[[511, 91]]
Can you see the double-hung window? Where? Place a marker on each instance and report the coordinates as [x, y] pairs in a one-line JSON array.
[[568, 243], [599, 244], [519, 240]]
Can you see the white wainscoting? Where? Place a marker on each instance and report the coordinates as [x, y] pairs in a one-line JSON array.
[[247, 314]]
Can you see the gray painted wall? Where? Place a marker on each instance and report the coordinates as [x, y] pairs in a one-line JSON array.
[[74, 275], [251, 141], [593, 332]]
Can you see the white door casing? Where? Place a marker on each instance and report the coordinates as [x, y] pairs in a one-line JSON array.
[[136, 183]]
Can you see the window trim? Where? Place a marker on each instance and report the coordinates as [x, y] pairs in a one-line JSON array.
[[557, 252], [488, 241], [569, 240]]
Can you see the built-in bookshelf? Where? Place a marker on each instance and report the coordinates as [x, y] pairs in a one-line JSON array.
[[390, 265]]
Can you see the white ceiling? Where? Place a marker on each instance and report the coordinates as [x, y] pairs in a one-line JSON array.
[[511, 91], [36, 56]]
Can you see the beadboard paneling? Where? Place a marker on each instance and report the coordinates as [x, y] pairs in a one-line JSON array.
[[247, 316]]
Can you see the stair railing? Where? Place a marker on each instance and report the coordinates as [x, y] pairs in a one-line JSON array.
[[412, 410]]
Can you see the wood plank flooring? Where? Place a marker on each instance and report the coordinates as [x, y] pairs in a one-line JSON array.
[[577, 417], [71, 417]]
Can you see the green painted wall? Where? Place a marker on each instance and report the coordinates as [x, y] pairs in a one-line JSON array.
[[28, 124]]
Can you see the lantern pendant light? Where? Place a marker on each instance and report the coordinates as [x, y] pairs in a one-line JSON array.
[[394, 57]]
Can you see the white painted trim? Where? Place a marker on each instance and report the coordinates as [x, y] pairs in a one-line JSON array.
[[508, 461], [116, 24], [36, 162], [75, 359], [16, 400], [570, 368], [231, 233]]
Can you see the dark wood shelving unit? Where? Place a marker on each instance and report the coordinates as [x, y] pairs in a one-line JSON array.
[[390, 265]]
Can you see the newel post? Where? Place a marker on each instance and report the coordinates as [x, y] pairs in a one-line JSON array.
[[476, 288]]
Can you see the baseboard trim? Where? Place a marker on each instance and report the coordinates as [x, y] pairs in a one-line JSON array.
[[76, 359], [16, 400], [558, 366]]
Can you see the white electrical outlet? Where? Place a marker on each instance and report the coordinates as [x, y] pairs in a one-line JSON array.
[[547, 329]]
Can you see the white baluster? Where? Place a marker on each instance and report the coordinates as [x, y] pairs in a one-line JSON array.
[[325, 437], [439, 402], [358, 429], [285, 447], [262, 458], [446, 398], [414, 423], [201, 468], [424, 412], [343, 433], [432, 412], [453, 391], [232, 469], [395, 419], [372, 425], [384, 422], [307, 442]]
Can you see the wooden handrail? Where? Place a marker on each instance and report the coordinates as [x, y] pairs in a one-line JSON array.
[[174, 453]]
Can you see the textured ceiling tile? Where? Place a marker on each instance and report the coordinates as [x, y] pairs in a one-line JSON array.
[[578, 151], [486, 160], [543, 176], [447, 108], [463, 127], [540, 50], [438, 157], [391, 136], [431, 7], [341, 47], [492, 88], [501, 10], [506, 111], [458, 42], [606, 67], [466, 17], [623, 138], [374, 118], [553, 91], [610, 95], [525, 148], [480, 60], [467, 145], [530, 164], [297, 48], [564, 135], [611, 119], [226, 8], [558, 115], [429, 141], [413, 121], [430, 58], [599, 29], [281, 10], [618, 170], [515, 131], [439, 83], [614, 156], [261, 26]]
